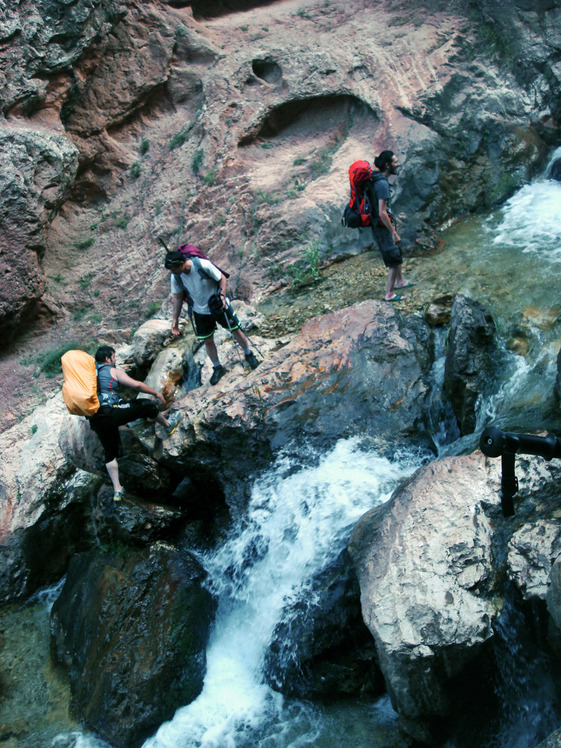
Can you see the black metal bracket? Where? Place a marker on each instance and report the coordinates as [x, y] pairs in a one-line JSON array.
[[496, 443]]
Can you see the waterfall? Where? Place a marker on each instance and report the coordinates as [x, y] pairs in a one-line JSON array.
[[299, 519], [524, 683]]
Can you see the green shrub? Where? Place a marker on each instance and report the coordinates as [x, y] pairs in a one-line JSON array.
[[49, 361], [178, 139], [135, 170], [144, 146], [304, 272], [153, 308], [197, 161], [86, 244]]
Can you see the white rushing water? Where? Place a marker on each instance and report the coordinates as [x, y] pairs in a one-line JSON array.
[[299, 520]]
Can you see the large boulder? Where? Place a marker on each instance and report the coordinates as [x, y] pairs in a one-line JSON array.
[[37, 168], [132, 631], [46, 39], [321, 648], [424, 561], [44, 502], [361, 370], [469, 366]]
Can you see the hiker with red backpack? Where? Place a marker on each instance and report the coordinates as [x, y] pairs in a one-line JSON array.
[[369, 205], [202, 284], [383, 223]]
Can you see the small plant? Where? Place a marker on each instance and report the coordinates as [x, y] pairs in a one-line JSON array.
[[93, 227], [85, 282], [58, 278], [86, 244], [210, 177], [153, 308], [267, 197], [121, 222], [135, 170], [244, 28], [144, 146], [34, 428], [178, 139], [49, 362], [306, 271], [197, 161], [79, 313], [299, 161]]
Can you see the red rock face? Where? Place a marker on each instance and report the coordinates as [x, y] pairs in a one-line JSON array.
[[232, 126]]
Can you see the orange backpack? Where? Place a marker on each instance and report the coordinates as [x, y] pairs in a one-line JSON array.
[[80, 383]]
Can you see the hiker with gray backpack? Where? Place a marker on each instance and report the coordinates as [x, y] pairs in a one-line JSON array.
[[195, 279]]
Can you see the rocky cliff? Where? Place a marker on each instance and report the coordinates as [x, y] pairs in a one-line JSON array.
[[125, 123]]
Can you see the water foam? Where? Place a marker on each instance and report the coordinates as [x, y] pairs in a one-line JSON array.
[[298, 521]]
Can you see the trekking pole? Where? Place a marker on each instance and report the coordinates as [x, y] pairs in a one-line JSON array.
[[232, 332]]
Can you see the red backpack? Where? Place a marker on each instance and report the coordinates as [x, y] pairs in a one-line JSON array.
[[357, 212], [189, 250]]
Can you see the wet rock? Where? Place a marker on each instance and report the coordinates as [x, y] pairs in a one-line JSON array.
[[132, 630], [322, 649], [439, 311], [133, 520], [552, 741], [44, 502], [531, 552], [362, 369], [557, 386], [424, 560], [470, 361], [37, 168]]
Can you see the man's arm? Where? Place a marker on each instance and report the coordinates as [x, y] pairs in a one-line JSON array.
[[177, 306], [222, 288], [384, 217], [123, 378]]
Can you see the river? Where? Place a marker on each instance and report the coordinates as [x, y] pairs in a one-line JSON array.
[[301, 514]]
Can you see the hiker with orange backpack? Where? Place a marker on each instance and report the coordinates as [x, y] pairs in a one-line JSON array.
[[114, 412]]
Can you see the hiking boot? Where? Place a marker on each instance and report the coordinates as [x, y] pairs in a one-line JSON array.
[[118, 495], [173, 420], [251, 360], [217, 374]]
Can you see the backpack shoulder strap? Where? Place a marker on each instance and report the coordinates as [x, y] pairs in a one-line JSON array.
[[197, 264]]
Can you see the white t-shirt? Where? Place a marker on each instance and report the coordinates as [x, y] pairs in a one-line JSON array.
[[199, 287]]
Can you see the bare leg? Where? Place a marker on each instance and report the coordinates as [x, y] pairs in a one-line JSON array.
[[399, 281], [241, 338], [113, 470], [210, 346], [392, 275], [162, 420]]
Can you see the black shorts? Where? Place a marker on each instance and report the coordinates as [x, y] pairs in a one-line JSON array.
[[107, 420], [205, 324], [391, 253]]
